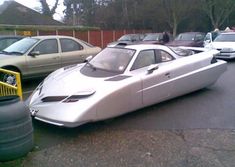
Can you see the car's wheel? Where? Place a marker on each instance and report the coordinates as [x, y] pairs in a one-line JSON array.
[[9, 78]]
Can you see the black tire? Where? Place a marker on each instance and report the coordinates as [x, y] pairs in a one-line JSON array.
[[8, 78], [16, 131]]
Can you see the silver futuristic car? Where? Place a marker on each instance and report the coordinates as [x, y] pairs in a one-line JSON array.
[[119, 80]]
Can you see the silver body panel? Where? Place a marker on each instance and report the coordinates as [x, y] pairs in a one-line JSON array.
[[123, 93]]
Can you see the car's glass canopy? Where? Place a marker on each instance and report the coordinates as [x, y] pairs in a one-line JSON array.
[[181, 52], [22, 46], [112, 59], [225, 38]]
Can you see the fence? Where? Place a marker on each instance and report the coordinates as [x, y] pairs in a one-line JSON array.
[[95, 37], [8, 89]]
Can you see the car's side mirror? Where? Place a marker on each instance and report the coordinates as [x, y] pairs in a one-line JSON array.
[[152, 68], [88, 59], [34, 53]]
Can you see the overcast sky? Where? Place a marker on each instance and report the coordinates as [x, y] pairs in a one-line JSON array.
[[36, 4]]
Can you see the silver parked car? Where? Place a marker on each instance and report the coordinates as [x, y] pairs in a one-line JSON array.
[[128, 39], [119, 80], [40, 55]]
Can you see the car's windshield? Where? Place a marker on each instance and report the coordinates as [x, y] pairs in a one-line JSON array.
[[152, 37], [21, 46], [185, 37], [225, 38], [112, 59]]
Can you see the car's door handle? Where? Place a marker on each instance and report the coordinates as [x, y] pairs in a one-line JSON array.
[[167, 74]]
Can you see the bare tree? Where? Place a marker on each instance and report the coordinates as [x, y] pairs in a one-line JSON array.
[[218, 10], [46, 10], [81, 12], [175, 11], [158, 15]]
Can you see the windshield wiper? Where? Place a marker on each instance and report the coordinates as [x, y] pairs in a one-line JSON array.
[[3, 52], [14, 52], [91, 65]]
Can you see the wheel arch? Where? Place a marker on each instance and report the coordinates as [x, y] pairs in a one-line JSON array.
[[12, 68]]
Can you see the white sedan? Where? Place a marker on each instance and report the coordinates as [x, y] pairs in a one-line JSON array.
[[119, 80], [225, 43]]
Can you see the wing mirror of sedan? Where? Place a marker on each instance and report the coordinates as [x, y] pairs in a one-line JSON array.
[[152, 68], [34, 53]]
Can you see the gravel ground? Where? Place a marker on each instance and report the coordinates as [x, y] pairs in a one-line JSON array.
[[137, 148]]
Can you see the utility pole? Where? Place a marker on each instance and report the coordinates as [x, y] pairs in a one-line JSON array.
[[75, 7], [74, 12]]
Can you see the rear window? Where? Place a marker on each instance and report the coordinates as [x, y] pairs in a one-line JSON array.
[[69, 45]]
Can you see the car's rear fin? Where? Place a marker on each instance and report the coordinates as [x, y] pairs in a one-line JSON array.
[[213, 60]]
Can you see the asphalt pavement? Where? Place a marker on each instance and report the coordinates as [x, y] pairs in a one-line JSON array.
[[138, 148], [195, 130]]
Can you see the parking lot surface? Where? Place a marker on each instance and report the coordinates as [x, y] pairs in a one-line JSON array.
[[101, 146], [195, 130]]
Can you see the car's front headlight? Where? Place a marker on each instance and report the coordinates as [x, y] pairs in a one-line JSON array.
[[68, 99]]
